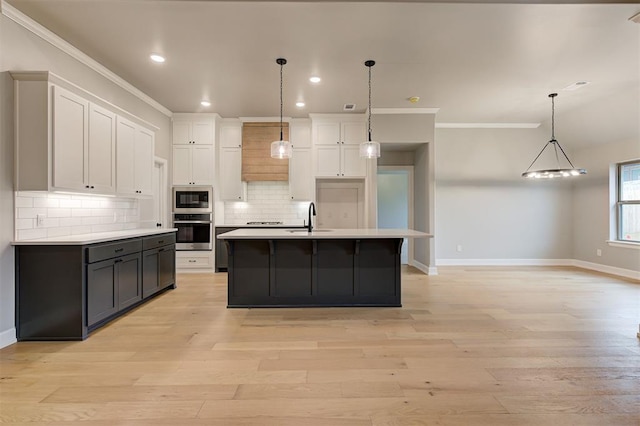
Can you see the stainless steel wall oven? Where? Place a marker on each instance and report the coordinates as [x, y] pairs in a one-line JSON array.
[[195, 231]]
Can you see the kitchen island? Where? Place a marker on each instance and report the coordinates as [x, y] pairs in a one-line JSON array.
[[298, 268]]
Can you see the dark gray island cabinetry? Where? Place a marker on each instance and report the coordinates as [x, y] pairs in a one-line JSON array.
[[66, 288], [296, 268]]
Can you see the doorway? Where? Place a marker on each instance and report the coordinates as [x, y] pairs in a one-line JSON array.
[[395, 203]]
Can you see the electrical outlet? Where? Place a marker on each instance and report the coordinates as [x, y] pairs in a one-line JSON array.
[[459, 248], [40, 219], [598, 252]]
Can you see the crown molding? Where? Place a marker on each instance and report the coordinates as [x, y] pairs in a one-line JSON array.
[[48, 36], [404, 110], [487, 125]]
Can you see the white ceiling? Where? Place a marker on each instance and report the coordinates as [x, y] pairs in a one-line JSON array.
[[478, 63]]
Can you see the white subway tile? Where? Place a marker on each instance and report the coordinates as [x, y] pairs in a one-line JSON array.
[[80, 212], [80, 229], [23, 202], [59, 212], [30, 213], [24, 223], [90, 204], [50, 222], [68, 221], [71, 203], [59, 231], [46, 202], [32, 234], [91, 220]]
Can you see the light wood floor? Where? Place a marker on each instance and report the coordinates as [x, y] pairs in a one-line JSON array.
[[472, 346]]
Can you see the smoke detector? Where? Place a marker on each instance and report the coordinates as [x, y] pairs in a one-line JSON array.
[[349, 107]]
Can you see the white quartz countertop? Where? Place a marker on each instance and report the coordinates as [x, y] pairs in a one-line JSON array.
[[316, 234], [99, 237]]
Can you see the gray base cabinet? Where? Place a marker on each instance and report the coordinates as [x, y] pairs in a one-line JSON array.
[[65, 292]]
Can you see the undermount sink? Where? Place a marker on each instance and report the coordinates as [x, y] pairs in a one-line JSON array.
[[307, 231]]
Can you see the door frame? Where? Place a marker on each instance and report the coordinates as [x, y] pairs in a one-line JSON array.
[[410, 202]]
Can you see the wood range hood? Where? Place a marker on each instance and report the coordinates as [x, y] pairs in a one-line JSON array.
[[257, 164]]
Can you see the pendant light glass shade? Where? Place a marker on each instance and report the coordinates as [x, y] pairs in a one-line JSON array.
[[281, 148], [369, 148], [559, 171]]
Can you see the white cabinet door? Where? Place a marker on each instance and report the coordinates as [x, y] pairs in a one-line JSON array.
[[70, 140], [327, 160], [143, 165], [202, 165], [352, 164], [300, 136], [181, 132], [181, 165], [354, 133], [102, 150], [300, 176], [231, 188], [327, 133], [231, 136], [202, 132], [125, 156], [134, 158]]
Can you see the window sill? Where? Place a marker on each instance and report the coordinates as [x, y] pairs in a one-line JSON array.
[[624, 244]]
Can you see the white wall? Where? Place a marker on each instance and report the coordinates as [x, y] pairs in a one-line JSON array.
[[483, 205], [22, 50]]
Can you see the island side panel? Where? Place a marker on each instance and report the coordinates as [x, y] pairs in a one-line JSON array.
[[293, 268], [379, 266], [50, 293], [249, 271]]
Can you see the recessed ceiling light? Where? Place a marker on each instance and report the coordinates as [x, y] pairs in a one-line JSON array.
[[205, 103], [577, 85], [157, 58], [315, 79], [299, 104]]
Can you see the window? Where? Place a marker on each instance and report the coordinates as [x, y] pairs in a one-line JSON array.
[[628, 201]]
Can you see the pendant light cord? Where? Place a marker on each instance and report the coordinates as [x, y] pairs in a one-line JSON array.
[[369, 125], [281, 66]]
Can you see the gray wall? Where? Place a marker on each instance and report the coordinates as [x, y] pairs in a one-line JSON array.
[[483, 205], [22, 50], [592, 208]]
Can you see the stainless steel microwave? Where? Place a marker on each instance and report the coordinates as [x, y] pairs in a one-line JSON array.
[[192, 199]]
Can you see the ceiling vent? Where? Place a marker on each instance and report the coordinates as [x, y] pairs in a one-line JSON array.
[[349, 107], [635, 18]]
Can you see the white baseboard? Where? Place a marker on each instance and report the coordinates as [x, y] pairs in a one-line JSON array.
[[621, 272], [504, 262], [8, 338], [429, 270]]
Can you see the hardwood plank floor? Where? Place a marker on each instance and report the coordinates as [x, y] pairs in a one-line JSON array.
[[471, 346]]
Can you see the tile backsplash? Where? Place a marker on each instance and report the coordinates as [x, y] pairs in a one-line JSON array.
[[266, 201], [44, 214]]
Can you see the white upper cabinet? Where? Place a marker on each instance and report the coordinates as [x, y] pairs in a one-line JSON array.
[[68, 139], [336, 144], [231, 135], [134, 158], [83, 144], [193, 149], [230, 161], [193, 132], [301, 180], [102, 149]]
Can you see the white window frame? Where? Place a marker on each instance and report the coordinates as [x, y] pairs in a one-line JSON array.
[[618, 203]]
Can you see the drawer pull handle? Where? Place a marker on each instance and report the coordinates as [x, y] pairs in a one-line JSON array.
[[161, 241], [192, 261], [118, 260], [162, 249], [118, 250]]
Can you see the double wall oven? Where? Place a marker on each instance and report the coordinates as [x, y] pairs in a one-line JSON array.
[[193, 217]]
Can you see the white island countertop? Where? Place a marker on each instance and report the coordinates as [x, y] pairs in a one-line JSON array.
[[316, 234], [98, 237]]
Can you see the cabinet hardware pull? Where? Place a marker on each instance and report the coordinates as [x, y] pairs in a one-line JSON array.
[[192, 261], [118, 250], [117, 261], [160, 250], [161, 241]]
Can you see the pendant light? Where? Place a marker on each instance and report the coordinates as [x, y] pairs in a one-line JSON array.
[[369, 148], [558, 172], [281, 148]]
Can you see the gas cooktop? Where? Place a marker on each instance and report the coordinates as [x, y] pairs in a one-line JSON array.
[[264, 223]]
